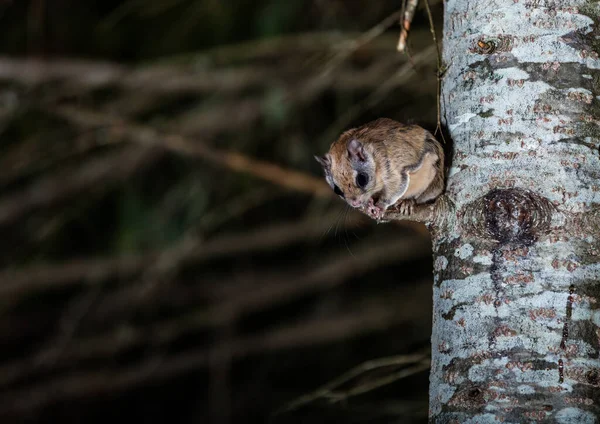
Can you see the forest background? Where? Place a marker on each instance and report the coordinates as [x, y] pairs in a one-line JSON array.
[[170, 250]]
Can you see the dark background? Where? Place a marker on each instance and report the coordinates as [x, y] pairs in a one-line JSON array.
[[146, 275]]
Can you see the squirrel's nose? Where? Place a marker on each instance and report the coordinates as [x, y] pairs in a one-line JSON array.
[[355, 203]]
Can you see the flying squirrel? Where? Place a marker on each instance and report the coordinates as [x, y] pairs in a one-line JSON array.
[[385, 163]]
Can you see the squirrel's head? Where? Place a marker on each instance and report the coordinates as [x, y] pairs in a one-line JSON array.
[[351, 170]]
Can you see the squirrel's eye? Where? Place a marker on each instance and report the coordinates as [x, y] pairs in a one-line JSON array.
[[362, 180], [337, 191]]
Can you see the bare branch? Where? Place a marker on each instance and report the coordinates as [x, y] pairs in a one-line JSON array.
[[312, 42], [14, 283], [382, 381], [56, 188], [179, 75], [261, 295], [155, 79], [118, 129], [29, 156], [407, 17], [328, 391], [159, 368], [384, 88], [362, 40]]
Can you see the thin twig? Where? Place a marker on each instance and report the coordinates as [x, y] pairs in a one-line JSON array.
[[409, 13], [362, 40], [329, 390], [118, 129], [56, 188], [439, 71], [331, 274], [383, 381], [89, 271], [219, 215], [87, 383], [68, 325], [177, 76], [27, 158], [261, 48], [401, 76]]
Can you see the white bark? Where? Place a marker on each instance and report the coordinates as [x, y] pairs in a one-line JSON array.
[[516, 334]]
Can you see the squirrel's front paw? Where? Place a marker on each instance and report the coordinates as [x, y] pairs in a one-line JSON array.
[[375, 211], [406, 207]]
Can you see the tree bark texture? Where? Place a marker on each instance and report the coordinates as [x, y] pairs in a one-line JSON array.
[[516, 335]]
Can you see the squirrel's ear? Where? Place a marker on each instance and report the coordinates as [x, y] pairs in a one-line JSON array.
[[324, 160], [356, 150]]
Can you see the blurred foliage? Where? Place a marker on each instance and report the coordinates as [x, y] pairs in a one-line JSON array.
[[271, 79], [135, 30]]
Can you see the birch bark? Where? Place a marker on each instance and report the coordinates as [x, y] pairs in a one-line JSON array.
[[516, 334]]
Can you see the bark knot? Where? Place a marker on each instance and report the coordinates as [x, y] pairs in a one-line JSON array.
[[516, 216], [593, 377], [509, 216], [471, 397]]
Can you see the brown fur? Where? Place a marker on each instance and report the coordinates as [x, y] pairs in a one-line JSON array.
[[395, 154]]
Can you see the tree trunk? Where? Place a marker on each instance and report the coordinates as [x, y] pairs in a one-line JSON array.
[[516, 333]]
